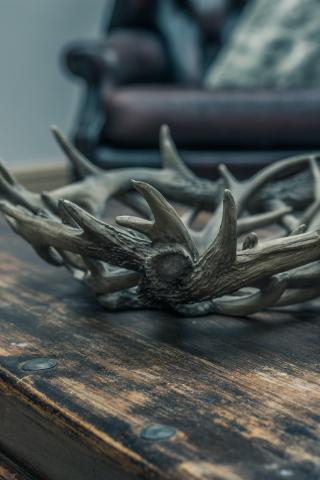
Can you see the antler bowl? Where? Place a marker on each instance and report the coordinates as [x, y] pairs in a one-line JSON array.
[[158, 260]]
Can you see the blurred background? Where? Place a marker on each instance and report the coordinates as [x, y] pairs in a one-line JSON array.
[[237, 81], [34, 91]]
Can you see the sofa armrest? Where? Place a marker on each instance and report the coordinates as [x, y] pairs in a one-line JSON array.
[[126, 56]]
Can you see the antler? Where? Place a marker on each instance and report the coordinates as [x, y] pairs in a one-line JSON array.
[[160, 261], [97, 186]]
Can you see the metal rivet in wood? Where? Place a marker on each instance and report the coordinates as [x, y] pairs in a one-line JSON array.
[[157, 432], [37, 364]]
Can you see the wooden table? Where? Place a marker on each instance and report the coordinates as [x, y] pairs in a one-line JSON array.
[[10, 471], [146, 394]]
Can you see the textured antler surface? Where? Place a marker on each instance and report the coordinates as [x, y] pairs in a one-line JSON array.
[[159, 260]]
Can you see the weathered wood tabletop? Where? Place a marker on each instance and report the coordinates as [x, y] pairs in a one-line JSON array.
[[234, 398], [11, 471]]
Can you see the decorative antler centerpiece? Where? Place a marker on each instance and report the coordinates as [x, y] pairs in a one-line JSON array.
[[158, 260]]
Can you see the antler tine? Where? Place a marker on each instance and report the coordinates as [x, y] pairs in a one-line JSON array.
[[7, 185], [6, 175], [265, 297], [299, 295], [222, 273], [167, 226], [231, 182], [241, 305], [136, 223], [116, 242], [105, 242], [276, 256], [299, 229], [82, 166], [305, 276], [57, 256], [288, 220], [244, 224], [97, 186], [260, 220], [15, 217], [243, 190], [104, 280], [180, 182], [221, 254], [89, 224], [31, 228], [49, 255], [316, 176], [311, 216], [169, 154], [40, 231], [250, 241], [204, 237], [13, 191]]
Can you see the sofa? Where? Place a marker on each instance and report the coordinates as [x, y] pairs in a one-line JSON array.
[[148, 70]]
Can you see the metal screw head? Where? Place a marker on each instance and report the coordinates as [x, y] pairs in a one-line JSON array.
[[37, 364], [157, 432]]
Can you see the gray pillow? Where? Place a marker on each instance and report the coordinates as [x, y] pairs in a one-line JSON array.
[[276, 43]]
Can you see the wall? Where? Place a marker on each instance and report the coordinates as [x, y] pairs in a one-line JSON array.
[[34, 91]]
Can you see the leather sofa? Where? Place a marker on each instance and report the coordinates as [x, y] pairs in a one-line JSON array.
[[148, 70]]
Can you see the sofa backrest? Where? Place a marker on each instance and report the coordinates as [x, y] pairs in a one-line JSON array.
[[190, 29]]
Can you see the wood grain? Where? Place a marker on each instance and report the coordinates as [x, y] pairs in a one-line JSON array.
[[242, 394], [9, 471]]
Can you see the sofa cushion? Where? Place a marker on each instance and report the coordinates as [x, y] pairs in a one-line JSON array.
[[274, 44], [212, 119]]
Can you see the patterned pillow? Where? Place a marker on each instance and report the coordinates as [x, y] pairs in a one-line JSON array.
[[276, 43]]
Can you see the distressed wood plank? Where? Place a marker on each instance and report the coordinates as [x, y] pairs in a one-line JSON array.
[[9, 471], [242, 394]]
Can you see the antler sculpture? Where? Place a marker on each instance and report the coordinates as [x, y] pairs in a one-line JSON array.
[[158, 260]]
